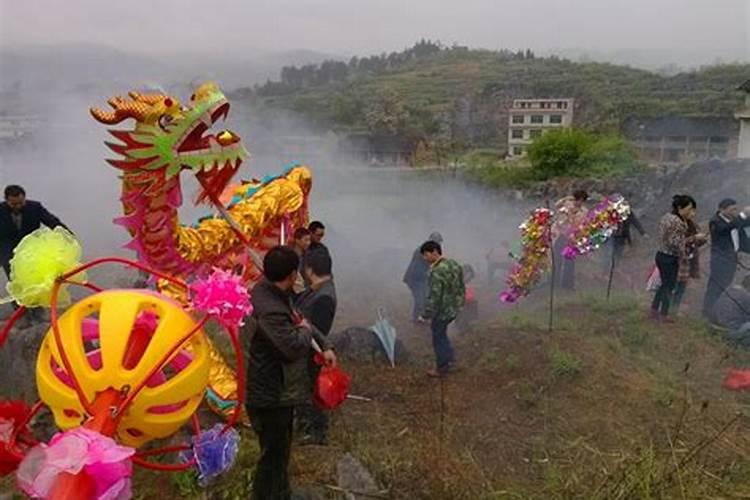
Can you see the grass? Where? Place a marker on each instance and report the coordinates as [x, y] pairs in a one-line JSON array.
[[615, 408], [564, 364]]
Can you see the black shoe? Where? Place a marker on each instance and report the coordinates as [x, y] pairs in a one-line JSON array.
[[313, 440]]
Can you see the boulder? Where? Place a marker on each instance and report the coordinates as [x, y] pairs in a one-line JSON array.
[[361, 344], [354, 478]]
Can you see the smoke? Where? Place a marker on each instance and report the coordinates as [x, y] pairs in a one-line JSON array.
[[375, 217]]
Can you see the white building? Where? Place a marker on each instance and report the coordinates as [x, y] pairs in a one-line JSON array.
[[743, 146], [530, 118]]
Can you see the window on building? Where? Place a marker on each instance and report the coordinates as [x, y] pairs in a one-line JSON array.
[[535, 133], [516, 133], [517, 150], [537, 119], [555, 118], [517, 118]]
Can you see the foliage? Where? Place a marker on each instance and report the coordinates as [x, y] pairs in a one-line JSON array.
[[387, 115], [563, 363], [453, 93], [574, 152]]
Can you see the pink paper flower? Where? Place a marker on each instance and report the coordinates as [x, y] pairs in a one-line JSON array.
[[76, 451], [223, 296]]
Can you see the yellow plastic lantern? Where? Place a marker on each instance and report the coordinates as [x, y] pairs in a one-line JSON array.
[[114, 340]]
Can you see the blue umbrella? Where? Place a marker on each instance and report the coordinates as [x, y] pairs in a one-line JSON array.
[[387, 335]]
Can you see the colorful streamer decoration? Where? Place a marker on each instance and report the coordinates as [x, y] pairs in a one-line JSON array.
[[597, 227], [536, 240], [222, 296]]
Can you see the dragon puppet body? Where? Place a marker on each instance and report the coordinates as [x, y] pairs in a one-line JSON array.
[[168, 139]]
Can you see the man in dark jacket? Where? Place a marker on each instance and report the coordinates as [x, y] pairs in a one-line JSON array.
[[623, 237], [318, 305], [728, 238], [280, 343], [416, 278], [18, 218], [317, 233]]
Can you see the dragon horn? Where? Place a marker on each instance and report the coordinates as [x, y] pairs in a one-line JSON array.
[[123, 111], [147, 98]]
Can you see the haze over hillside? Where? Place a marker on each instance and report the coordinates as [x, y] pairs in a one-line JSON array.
[[80, 65]]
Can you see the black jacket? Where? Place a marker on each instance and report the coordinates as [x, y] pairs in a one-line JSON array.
[[623, 233], [319, 306], [33, 215], [277, 350], [721, 236]]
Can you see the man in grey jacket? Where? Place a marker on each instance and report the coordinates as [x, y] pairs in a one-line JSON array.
[[280, 343], [318, 305]]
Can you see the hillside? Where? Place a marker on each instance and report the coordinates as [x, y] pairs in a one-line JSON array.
[[458, 96]]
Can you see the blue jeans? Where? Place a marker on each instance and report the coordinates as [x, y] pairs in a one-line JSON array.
[[668, 269], [441, 344], [677, 296]]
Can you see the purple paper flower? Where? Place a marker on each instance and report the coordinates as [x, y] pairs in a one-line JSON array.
[[214, 452]]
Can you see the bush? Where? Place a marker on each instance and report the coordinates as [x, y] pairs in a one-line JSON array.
[[574, 152]]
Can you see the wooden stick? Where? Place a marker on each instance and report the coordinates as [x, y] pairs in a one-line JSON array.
[[611, 271]]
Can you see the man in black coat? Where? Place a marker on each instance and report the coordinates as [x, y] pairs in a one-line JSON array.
[[728, 238], [280, 343], [18, 218]]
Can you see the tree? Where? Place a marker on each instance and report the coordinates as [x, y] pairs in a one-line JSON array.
[[559, 152], [387, 114], [574, 152]]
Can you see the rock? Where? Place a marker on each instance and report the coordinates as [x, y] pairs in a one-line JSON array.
[[355, 479], [361, 344], [18, 361], [308, 494], [6, 310]]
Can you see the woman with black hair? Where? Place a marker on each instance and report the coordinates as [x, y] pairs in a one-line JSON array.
[[673, 246]]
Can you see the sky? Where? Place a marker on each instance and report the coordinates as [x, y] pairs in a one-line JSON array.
[[347, 27]]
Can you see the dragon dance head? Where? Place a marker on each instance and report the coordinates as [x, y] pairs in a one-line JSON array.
[[172, 137]]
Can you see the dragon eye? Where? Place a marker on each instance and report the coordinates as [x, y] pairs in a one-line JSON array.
[[165, 120]]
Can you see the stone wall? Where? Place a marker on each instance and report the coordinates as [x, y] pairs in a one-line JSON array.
[[651, 192]]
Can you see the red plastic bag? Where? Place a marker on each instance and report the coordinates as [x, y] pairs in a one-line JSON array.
[[331, 387], [470, 295], [737, 380]]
